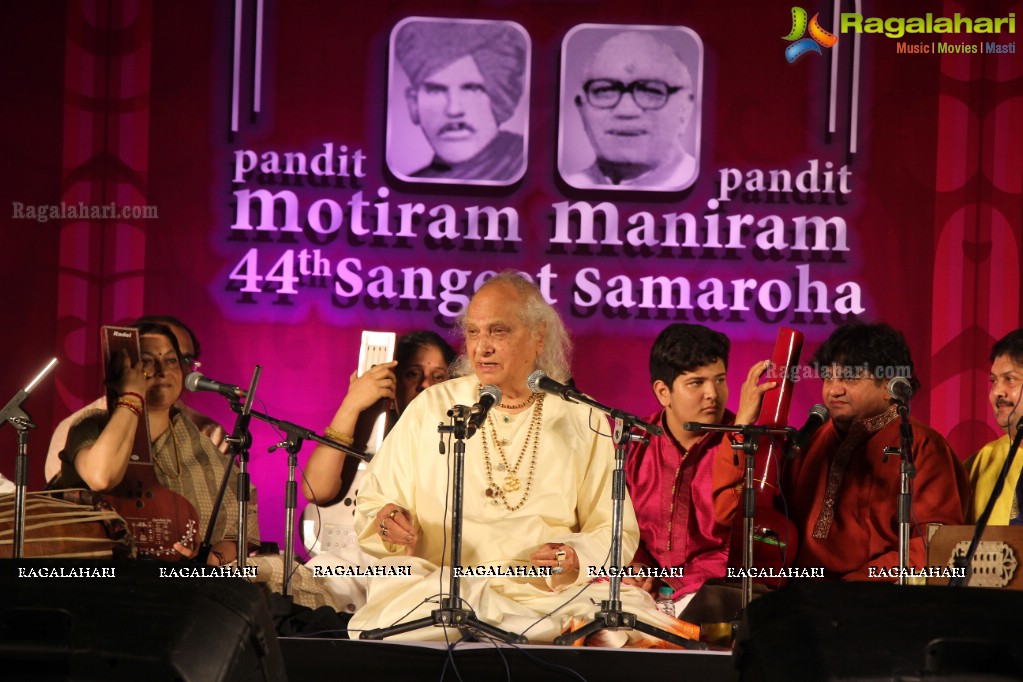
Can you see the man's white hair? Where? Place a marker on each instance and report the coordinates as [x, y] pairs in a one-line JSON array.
[[539, 317]]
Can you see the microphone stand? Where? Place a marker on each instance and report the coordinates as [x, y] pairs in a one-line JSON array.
[[239, 443], [451, 612], [244, 442], [907, 471], [294, 435], [751, 435], [963, 561], [21, 421], [611, 616]]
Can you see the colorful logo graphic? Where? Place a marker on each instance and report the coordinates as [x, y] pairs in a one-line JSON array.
[[818, 36]]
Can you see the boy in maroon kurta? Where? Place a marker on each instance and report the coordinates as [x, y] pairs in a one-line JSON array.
[[670, 479]]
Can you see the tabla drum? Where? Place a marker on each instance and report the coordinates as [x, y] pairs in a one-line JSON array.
[[66, 524]]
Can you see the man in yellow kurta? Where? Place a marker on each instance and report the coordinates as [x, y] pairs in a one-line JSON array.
[[537, 487], [984, 467]]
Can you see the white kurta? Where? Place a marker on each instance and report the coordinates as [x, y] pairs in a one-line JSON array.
[[569, 502]]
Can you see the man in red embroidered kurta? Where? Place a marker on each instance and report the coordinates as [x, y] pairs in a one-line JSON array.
[[841, 495], [670, 479]]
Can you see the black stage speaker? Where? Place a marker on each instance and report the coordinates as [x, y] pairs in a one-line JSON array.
[[871, 631], [135, 625]]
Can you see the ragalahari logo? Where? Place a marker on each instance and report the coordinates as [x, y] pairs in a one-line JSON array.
[[818, 36]]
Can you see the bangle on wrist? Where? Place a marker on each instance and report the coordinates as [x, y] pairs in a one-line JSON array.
[[338, 437], [134, 408], [133, 394]]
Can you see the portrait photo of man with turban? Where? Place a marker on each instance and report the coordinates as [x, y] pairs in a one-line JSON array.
[[458, 105]]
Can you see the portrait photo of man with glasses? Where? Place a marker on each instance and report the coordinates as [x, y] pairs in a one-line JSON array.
[[630, 108]]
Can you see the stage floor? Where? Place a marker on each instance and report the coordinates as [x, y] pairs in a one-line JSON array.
[[323, 659]]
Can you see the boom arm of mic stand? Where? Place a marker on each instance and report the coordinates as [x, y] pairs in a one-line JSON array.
[[20, 420], [751, 435], [294, 435], [12, 411], [302, 433], [576, 396], [747, 430]]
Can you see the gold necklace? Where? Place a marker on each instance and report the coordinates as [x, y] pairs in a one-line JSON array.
[[512, 483], [527, 401]]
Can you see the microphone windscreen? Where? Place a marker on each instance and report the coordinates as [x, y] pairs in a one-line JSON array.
[[821, 412], [899, 388], [492, 391], [192, 381], [533, 382]]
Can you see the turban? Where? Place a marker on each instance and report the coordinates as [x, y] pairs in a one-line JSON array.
[[498, 48]]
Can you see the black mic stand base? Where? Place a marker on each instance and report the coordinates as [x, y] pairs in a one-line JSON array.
[[611, 617], [451, 613], [450, 616]]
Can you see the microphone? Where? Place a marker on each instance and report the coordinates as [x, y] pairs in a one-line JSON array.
[[819, 416], [197, 382], [900, 389], [539, 381], [490, 395]]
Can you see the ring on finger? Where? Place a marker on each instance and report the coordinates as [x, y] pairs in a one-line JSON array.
[[394, 512], [383, 532]]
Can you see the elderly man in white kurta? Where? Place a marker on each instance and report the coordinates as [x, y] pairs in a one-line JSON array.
[[537, 487]]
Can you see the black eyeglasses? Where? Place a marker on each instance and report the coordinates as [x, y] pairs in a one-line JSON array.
[[649, 95]]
